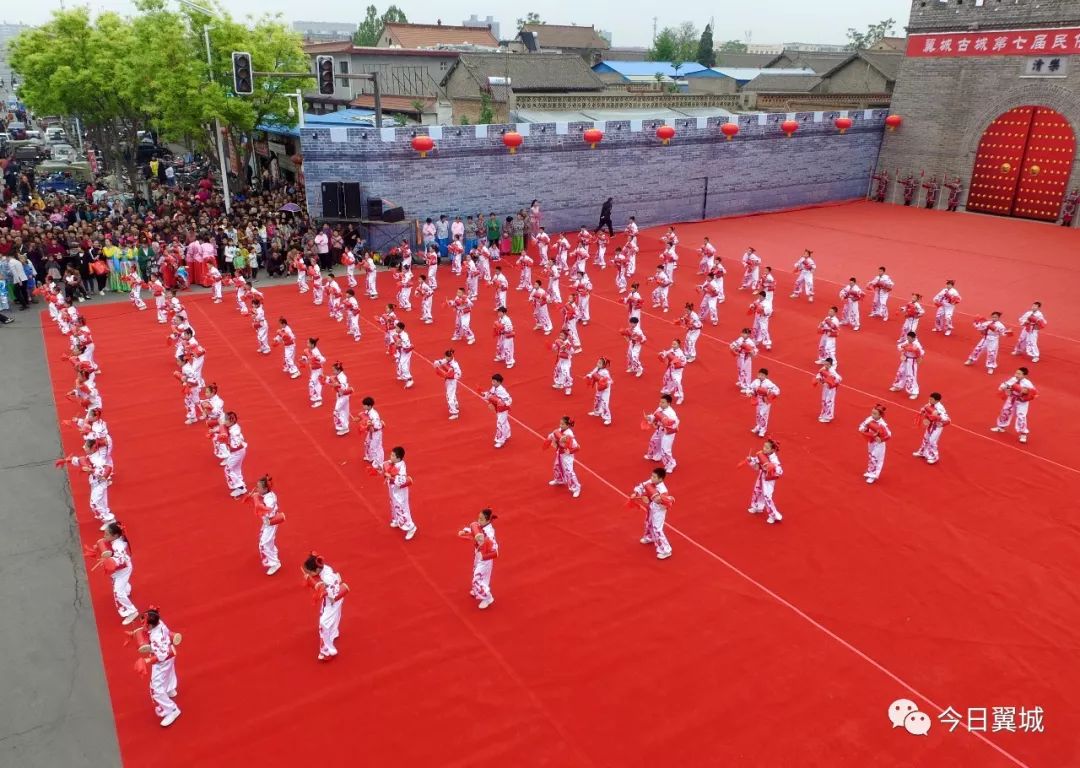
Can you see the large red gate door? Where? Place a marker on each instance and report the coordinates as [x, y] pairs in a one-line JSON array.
[[1022, 165], [1045, 170]]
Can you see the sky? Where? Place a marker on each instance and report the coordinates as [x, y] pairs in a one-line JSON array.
[[766, 21]]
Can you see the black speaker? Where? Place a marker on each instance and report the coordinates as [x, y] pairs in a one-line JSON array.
[[352, 200], [333, 203], [374, 208], [394, 213]]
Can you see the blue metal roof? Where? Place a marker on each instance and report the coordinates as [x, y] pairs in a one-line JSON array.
[[746, 74], [646, 68], [352, 117]]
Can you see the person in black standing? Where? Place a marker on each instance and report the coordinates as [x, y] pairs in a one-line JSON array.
[[605, 218]]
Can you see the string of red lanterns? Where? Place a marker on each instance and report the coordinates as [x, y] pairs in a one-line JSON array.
[[593, 136]]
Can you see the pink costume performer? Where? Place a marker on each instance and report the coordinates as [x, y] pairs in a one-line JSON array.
[[1018, 392], [653, 497], [804, 277], [600, 380], [329, 594], [945, 301], [565, 443], [877, 434], [744, 349], [828, 379], [664, 423], [934, 418], [851, 295], [907, 374], [499, 400], [762, 392], [880, 286], [751, 270], [485, 551], [1031, 322], [991, 331], [766, 463]]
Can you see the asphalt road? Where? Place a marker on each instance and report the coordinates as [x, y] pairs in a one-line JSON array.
[[54, 703]]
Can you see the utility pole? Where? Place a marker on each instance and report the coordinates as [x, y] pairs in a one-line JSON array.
[[654, 20]]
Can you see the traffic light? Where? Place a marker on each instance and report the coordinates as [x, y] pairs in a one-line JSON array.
[[243, 79], [324, 70]]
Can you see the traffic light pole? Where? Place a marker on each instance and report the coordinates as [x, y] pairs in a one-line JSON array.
[[372, 76], [217, 128]]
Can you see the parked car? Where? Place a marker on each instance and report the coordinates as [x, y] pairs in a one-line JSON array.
[[56, 135], [27, 149], [17, 131], [61, 184], [63, 152]]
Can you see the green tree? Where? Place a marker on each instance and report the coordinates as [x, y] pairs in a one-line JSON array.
[[732, 46], [860, 41], [675, 43], [487, 114], [122, 75], [530, 18], [81, 68], [367, 33], [706, 54]]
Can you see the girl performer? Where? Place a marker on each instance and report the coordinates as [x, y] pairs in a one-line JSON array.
[[766, 463], [450, 372], [634, 339], [665, 423], [499, 400], [426, 289], [600, 379], [804, 276], [674, 361], [744, 349], [653, 496], [352, 314], [934, 419], [340, 382], [372, 424], [397, 483], [907, 374], [270, 517], [539, 300], [403, 349], [115, 552], [564, 352], [691, 321], [262, 329], [504, 338], [234, 462], [877, 433], [562, 438], [829, 380], [314, 360], [94, 464], [911, 312], [486, 549], [462, 307], [851, 295], [161, 647], [330, 593]]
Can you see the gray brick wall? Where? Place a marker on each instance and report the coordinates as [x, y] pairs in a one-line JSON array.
[[935, 15], [947, 103], [759, 170]]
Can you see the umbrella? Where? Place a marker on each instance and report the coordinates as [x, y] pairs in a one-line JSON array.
[[290, 207]]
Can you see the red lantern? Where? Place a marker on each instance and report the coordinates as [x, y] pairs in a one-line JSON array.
[[789, 127], [513, 140], [843, 123], [892, 122], [665, 133], [731, 130], [423, 145], [593, 136]]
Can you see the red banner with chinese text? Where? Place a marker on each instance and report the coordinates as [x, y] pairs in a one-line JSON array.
[[1015, 42]]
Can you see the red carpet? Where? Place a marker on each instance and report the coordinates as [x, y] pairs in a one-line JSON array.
[[952, 585]]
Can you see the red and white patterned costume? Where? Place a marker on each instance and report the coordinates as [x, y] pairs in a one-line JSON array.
[[877, 434], [1031, 322], [665, 424], [907, 375], [880, 286], [934, 419], [674, 361], [945, 300], [751, 270], [828, 379], [656, 501], [768, 470], [499, 400], [1018, 393], [600, 380], [566, 445], [851, 295], [991, 331]]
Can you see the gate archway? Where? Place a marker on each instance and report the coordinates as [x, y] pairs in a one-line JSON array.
[[1023, 164]]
